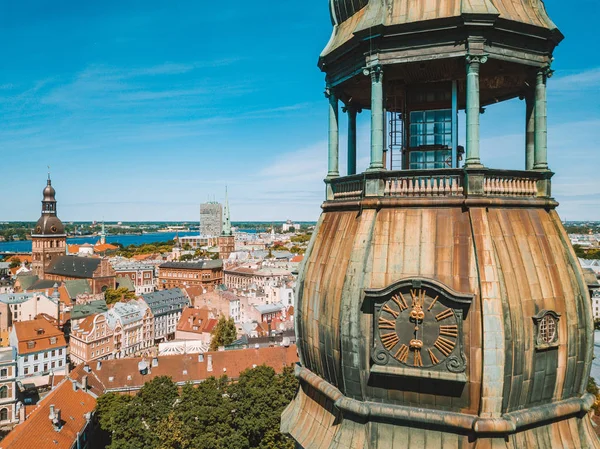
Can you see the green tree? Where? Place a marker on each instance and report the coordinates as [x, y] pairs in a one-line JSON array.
[[113, 296], [15, 262], [186, 257], [223, 334]]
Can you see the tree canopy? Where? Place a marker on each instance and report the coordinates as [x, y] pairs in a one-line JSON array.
[[213, 415], [113, 296], [223, 334]]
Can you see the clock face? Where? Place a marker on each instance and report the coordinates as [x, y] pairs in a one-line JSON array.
[[418, 329]]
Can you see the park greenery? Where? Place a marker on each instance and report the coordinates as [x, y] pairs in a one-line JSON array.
[[223, 334], [584, 253], [145, 248], [216, 414], [121, 294]]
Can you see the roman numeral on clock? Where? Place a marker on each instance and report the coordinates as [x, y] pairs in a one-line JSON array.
[[386, 324], [444, 314], [444, 345], [418, 361], [432, 303], [399, 299], [389, 340], [391, 311], [402, 354], [450, 330], [433, 358]]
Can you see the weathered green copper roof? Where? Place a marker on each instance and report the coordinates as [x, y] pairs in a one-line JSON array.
[[80, 311], [77, 287], [27, 280], [125, 281], [355, 16]]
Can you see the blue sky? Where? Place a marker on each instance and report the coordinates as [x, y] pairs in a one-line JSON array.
[[144, 109]]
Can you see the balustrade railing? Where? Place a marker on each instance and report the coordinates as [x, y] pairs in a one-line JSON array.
[[348, 190], [501, 185], [441, 183], [434, 185]]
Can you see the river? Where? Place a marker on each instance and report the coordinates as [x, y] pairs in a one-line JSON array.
[[24, 246]]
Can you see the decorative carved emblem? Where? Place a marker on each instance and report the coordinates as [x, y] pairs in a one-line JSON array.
[[546, 329], [418, 329]]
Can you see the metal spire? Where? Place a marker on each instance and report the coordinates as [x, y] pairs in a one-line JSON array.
[[226, 219]]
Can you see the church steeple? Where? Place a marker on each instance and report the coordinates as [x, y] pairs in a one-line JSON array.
[[226, 219]]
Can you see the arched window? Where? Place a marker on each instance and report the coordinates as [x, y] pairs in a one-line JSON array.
[[4, 414], [4, 392]]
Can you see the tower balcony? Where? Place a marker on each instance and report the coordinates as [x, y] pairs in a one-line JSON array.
[[441, 188]]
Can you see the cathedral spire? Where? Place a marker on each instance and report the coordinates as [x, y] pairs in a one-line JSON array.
[[226, 219]]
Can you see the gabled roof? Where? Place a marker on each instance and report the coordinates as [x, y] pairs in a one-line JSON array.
[[39, 331], [80, 311], [74, 266], [77, 287], [124, 373], [202, 265], [166, 301], [27, 280], [38, 431], [193, 320], [125, 282]]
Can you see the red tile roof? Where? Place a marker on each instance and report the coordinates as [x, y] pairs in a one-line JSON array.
[[124, 375], [40, 332], [37, 430], [298, 258], [101, 247], [193, 320]]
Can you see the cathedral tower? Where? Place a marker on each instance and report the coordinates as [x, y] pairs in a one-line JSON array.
[[48, 238], [440, 303], [226, 239]]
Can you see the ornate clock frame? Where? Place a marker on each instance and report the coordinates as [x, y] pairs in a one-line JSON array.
[[430, 307]]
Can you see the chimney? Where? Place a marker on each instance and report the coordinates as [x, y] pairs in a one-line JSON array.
[[84, 383], [74, 386], [22, 415], [154, 362], [54, 417], [209, 367]]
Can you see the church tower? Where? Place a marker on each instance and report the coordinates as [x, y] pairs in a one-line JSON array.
[[440, 303], [48, 238], [226, 239]]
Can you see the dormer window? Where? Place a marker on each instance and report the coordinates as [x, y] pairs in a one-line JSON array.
[[30, 344], [39, 331], [53, 340]]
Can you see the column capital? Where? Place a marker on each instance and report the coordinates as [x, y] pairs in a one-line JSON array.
[[351, 109], [479, 59], [375, 71], [330, 92], [545, 71]]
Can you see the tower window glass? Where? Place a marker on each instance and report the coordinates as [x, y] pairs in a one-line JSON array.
[[430, 139]]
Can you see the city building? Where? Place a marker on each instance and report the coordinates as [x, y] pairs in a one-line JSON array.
[[244, 276], [207, 274], [97, 271], [211, 219], [199, 241], [440, 303], [91, 339], [132, 324], [140, 273], [8, 387], [195, 324], [128, 375], [81, 311], [290, 226], [41, 350], [226, 237], [48, 238], [166, 307], [64, 419], [27, 306]]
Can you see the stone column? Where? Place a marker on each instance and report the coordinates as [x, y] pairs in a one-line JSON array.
[[377, 117], [351, 111], [529, 130], [473, 109], [334, 137], [540, 158]]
